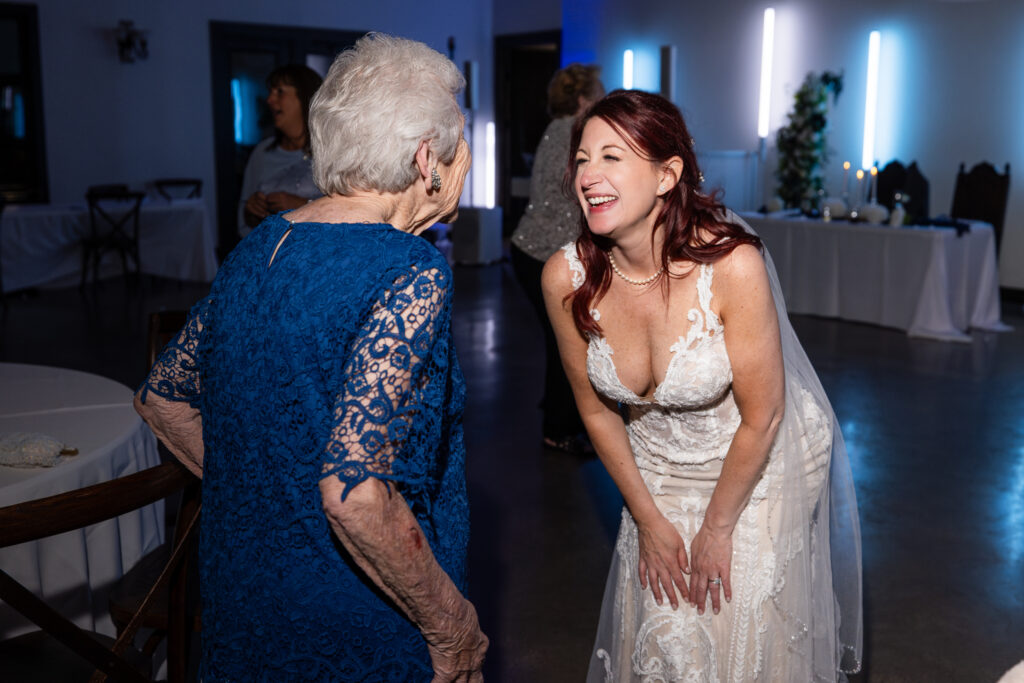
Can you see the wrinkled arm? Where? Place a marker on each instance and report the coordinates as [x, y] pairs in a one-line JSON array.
[[378, 529], [367, 463], [178, 425], [168, 399]]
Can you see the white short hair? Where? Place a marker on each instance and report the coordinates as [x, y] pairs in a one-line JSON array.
[[380, 99]]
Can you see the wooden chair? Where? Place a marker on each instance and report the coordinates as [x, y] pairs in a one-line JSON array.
[[163, 326], [111, 229], [186, 188], [171, 610], [981, 195], [910, 183], [131, 590], [3, 296], [891, 179], [44, 655]]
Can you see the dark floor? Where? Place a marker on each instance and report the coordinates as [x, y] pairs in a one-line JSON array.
[[936, 438]]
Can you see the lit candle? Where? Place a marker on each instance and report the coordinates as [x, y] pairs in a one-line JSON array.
[[874, 184], [846, 179], [860, 186]]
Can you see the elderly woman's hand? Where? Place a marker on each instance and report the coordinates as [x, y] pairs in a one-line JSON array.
[[459, 655]]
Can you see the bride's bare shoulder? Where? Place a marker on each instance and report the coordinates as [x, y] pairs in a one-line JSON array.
[[741, 275], [557, 277]]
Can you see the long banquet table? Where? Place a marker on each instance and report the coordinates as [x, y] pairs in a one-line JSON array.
[[40, 245], [74, 571], [927, 281]]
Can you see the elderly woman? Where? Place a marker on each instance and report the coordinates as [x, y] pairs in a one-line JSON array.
[[278, 175], [317, 392]]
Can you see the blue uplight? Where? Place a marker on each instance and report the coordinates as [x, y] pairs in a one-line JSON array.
[[236, 98]]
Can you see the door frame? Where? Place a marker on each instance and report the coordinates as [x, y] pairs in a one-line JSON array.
[[504, 45], [291, 45]]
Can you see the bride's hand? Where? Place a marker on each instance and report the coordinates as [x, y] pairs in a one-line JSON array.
[[662, 559], [712, 557]]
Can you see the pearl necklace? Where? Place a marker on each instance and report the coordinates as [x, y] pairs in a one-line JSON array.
[[611, 260]]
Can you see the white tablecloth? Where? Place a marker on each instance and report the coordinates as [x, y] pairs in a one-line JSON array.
[[40, 245], [927, 281], [74, 571]]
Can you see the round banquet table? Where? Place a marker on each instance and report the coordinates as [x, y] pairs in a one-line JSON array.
[[74, 571]]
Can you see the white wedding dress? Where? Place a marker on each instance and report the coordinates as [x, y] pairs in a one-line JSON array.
[[679, 440]]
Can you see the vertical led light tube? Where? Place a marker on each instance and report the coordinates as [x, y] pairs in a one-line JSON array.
[[236, 101], [627, 70], [871, 101], [489, 162], [767, 50]]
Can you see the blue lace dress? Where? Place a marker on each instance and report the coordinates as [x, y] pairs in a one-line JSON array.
[[336, 359]]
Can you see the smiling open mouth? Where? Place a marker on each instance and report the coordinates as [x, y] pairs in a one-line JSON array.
[[603, 199]]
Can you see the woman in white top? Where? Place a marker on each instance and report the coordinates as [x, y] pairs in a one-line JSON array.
[[738, 557], [279, 173]]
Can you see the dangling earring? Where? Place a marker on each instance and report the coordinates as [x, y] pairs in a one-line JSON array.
[[435, 180]]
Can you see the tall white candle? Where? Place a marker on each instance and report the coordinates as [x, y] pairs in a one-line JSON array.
[[846, 179], [860, 187], [874, 184]]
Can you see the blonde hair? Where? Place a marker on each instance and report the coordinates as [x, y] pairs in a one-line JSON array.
[[380, 99]]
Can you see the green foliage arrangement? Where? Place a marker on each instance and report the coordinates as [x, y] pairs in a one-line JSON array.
[[802, 146]]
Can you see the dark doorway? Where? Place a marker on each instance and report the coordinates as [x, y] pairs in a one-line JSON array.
[[523, 66], [22, 144], [241, 57]]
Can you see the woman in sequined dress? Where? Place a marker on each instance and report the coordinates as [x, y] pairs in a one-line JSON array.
[[552, 219]]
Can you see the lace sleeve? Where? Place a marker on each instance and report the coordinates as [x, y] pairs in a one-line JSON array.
[[175, 375], [391, 378]]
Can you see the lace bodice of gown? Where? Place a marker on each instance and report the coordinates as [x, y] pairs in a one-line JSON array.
[[692, 417]]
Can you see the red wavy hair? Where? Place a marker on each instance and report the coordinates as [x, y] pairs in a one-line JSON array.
[[694, 222]]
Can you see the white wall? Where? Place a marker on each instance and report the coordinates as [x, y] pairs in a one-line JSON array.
[[525, 16], [951, 88], [113, 122]]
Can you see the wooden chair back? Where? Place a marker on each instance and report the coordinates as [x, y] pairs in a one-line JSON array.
[[57, 514], [171, 188], [891, 180], [113, 226], [982, 195], [163, 327], [910, 184], [3, 296]]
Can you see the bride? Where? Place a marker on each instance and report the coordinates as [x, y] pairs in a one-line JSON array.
[[738, 556]]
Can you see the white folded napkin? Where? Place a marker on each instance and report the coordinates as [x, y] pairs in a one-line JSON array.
[[29, 449]]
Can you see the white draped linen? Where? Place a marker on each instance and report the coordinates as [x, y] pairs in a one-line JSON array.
[[74, 571], [925, 280], [40, 245]]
